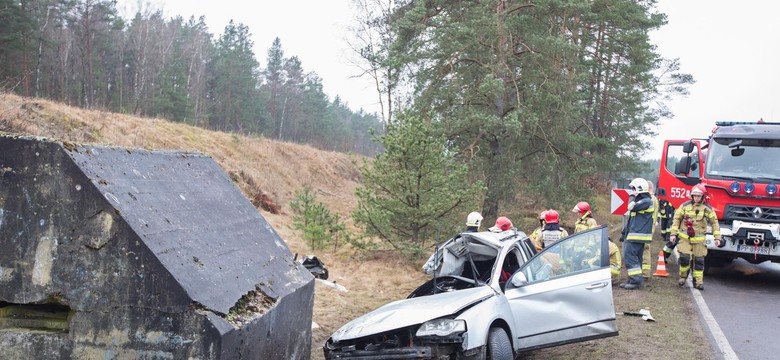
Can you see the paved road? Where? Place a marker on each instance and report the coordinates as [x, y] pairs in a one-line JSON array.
[[744, 299]]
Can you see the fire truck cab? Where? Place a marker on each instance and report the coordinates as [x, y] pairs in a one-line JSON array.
[[739, 166]]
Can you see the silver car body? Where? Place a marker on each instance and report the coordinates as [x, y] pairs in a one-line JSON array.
[[561, 295]]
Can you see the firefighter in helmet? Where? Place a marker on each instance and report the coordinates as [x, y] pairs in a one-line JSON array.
[[552, 230], [536, 235], [637, 232], [502, 224], [585, 219], [473, 221], [689, 229]]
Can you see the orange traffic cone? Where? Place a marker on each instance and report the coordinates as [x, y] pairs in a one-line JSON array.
[[660, 268]]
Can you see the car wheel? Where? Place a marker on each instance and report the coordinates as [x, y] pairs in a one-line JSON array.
[[498, 345]]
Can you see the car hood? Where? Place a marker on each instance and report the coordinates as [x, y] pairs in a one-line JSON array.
[[402, 313]]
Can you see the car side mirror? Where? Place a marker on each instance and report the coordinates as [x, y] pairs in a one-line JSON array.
[[660, 191], [518, 280]]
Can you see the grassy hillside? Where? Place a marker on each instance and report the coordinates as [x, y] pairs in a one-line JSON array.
[[271, 172]]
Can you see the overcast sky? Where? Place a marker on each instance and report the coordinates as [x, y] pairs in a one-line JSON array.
[[730, 47]]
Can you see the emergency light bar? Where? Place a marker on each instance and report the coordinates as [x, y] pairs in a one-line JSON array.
[[731, 123]]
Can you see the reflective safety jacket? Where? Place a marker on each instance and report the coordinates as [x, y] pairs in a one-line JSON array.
[[584, 223], [665, 210], [614, 259], [655, 211], [552, 233], [640, 223], [536, 237], [690, 222], [666, 214]]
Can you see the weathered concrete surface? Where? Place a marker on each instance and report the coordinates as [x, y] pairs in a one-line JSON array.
[[146, 254]]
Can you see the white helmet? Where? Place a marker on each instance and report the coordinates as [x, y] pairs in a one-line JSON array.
[[474, 219], [640, 185]]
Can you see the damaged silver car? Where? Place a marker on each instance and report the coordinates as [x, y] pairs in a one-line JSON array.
[[491, 296]]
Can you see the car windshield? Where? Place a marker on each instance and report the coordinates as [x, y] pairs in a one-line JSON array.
[[744, 159]]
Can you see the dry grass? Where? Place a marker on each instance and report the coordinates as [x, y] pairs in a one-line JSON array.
[[279, 169]]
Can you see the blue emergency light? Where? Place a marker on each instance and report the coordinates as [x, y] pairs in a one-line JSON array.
[[732, 123], [750, 187], [771, 189], [734, 187]]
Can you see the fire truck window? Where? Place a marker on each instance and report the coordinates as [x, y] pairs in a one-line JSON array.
[[695, 165], [673, 155]]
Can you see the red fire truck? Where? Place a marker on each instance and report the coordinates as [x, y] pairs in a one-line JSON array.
[[739, 164]]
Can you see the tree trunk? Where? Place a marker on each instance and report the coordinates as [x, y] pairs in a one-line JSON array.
[[492, 182]]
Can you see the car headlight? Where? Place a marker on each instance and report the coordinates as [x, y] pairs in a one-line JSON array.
[[441, 327]]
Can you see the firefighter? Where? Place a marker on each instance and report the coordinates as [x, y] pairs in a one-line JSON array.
[[551, 233], [552, 230], [585, 219], [473, 221], [666, 215], [646, 267], [536, 235], [502, 224], [637, 232], [690, 227]]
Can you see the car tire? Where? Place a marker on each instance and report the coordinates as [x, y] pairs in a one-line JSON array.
[[498, 345]]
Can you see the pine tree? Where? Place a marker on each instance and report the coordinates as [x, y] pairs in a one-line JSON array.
[[235, 81], [412, 186]]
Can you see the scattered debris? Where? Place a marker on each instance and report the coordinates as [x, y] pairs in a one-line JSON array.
[[644, 313], [315, 266], [333, 285]]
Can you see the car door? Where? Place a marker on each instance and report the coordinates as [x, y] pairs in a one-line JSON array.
[[564, 293]]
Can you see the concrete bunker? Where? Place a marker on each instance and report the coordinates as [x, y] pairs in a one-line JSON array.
[[117, 253]]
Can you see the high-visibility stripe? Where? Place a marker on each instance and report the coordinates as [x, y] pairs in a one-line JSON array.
[[632, 272], [645, 211], [639, 237]]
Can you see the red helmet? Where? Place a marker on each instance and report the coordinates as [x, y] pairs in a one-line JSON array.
[[551, 217], [581, 207], [699, 189], [503, 223], [542, 215]]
